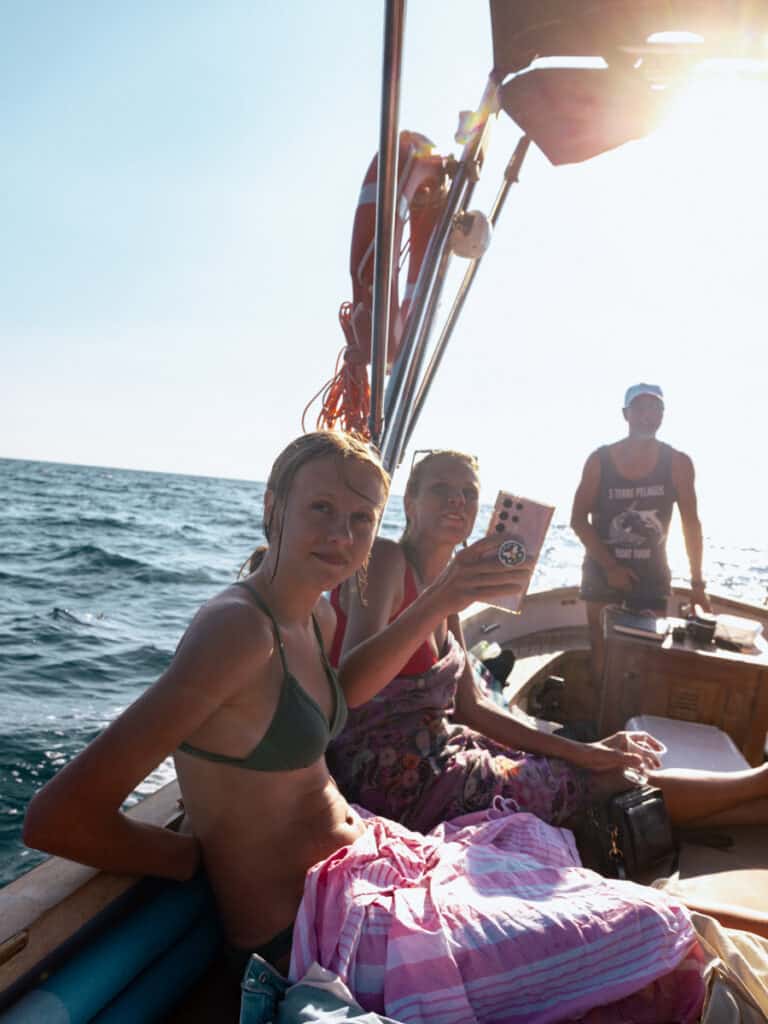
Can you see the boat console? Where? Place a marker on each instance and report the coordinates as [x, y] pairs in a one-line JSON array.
[[675, 676]]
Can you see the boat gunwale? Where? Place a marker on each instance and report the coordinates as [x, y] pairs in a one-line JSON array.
[[46, 907]]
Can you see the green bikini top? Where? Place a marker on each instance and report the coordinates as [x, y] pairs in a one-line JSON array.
[[299, 732]]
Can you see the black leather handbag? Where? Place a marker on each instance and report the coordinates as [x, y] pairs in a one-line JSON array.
[[627, 836]]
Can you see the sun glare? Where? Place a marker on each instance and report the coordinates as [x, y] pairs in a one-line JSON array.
[[675, 37], [716, 122], [691, 227], [710, 149], [724, 95]]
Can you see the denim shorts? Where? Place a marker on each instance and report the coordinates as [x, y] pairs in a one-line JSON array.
[[650, 595], [262, 990]]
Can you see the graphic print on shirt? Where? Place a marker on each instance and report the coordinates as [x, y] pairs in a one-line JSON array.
[[635, 533]]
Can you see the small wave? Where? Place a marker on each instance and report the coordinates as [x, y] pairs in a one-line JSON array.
[[77, 673], [108, 522], [109, 671], [19, 579], [82, 619], [94, 557], [90, 558], [39, 637], [76, 521]]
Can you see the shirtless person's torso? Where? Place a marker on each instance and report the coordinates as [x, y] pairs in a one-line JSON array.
[[261, 830]]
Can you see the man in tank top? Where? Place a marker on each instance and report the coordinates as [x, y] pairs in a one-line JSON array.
[[621, 514]]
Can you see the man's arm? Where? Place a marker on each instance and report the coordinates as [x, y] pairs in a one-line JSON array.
[[617, 575], [683, 477]]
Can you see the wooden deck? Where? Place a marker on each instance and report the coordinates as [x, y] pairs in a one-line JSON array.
[[730, 883]]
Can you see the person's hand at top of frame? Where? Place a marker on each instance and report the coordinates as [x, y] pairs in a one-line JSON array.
[[476, 574]]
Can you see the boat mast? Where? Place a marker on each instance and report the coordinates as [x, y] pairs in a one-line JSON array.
[[386, 191], [405, 373], [511, 177]]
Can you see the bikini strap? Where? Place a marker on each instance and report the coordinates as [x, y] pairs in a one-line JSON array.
[[261, 603], [268, 612], [410, 587], [320, 643]]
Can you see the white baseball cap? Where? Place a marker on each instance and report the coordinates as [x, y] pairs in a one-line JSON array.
[[636, 390]]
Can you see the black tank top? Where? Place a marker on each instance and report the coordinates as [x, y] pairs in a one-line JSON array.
[[632, 518]]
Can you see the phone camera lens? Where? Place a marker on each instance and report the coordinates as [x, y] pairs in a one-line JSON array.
[[500, 528], [519, 506], [503, 515], [507, 503], [515, 519]]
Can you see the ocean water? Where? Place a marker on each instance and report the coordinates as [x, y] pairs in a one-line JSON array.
[[100, 571]]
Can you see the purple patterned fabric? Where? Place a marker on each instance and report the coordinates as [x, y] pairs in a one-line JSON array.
[[400, 756]]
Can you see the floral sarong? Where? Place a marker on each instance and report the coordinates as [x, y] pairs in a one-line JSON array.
[[400, 756], [491, 919]]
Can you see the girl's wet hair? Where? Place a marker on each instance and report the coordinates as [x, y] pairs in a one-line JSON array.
[[320, 444]]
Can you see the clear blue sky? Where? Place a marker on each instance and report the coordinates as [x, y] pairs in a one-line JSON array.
[[177, 187]]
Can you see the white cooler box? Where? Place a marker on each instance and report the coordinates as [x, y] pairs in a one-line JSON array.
[[691, 744]]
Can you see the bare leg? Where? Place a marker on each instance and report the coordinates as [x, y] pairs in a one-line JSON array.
[[740, 797], [753, 813], [594, 621]]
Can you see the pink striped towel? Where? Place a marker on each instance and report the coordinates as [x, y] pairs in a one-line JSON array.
[[491, 918]]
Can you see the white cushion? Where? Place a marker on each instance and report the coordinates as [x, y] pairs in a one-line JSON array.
[[691, 744]]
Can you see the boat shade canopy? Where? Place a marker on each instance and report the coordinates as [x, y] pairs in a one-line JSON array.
[[526, 29], [572, 114]]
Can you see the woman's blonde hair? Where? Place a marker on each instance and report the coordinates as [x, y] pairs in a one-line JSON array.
[[320, 444], [416, 476]]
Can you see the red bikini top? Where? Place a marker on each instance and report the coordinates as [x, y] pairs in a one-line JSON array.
[[420, 661]]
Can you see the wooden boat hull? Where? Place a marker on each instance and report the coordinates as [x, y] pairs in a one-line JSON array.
[[78, 945]]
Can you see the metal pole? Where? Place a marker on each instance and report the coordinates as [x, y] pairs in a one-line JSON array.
[[429, 285], [511, 177], [394, 446], [386, 189]]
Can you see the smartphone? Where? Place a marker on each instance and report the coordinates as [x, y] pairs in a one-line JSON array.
[[521, 526]]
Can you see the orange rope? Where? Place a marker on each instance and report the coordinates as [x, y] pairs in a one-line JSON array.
[[346, 397]]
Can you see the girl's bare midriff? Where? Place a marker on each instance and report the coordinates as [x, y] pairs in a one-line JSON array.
[[260, 832]]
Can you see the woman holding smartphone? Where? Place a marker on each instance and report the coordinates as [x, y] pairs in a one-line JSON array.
[[427, 745]]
